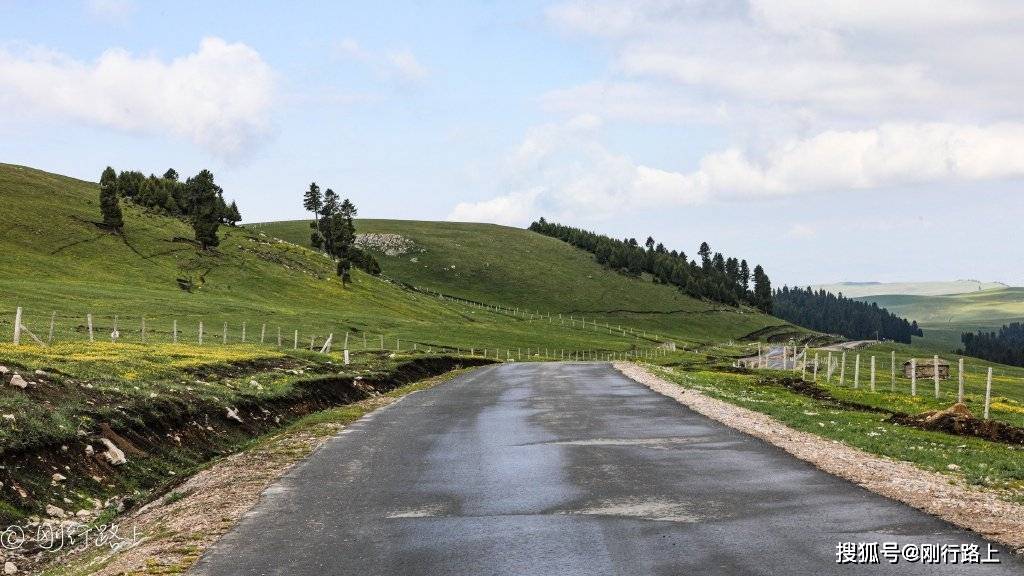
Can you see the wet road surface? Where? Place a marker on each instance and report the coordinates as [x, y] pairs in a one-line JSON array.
[[564, 468]]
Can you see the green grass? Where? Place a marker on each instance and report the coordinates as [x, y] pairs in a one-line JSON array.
[[517, 268], [979, 462], [944, 318], [56, 261]]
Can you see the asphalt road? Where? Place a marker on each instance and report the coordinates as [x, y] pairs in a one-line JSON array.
[[563, 469]]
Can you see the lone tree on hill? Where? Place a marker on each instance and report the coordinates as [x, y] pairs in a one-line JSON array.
[[312, 201], [204, 198], [110, 207]]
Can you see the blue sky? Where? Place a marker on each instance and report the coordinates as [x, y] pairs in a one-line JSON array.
[[827, 141]]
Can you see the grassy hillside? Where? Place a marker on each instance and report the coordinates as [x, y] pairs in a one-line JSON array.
[[518, 268], [945, 318], [55, 259]]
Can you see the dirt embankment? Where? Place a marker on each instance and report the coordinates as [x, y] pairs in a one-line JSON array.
[[167, 438], [176, 529]]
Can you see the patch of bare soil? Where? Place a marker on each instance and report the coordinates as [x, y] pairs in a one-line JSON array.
[[175, 530], [971, 508], [958, 420]]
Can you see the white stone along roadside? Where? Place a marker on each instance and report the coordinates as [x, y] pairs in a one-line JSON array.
[[977, 510]]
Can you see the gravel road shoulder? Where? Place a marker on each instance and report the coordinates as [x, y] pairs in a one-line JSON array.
[[976, 510]]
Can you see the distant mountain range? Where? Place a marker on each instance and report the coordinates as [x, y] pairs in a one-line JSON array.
[[862, 289]]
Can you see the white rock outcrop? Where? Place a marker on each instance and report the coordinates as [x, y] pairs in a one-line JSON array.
[[233, 414], [114, 455]]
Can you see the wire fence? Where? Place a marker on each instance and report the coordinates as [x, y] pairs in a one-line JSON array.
[[56, 328], [932, 376]]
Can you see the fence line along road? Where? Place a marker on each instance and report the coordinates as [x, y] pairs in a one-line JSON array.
[[87, 328]]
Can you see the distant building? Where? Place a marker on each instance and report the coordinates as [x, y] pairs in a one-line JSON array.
[[926, 368]]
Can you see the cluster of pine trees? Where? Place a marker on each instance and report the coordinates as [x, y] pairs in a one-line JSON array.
[[198, 199], [1005, 346], [716, 277], [333, 231], [827, 312]]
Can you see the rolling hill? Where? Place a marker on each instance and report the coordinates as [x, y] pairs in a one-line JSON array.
[[945, 318], [861, 289], [57, 261], [517, 268]]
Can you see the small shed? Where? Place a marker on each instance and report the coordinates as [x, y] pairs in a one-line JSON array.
[[926, 368]]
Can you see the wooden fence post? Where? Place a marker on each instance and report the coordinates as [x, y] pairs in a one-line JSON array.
[[174, 331], [842, 370], [243, 331], [872, 373], [200, 333], [263, 332], [913, 376], [295, 343], [17, 326], [988, 391], [935, 376], [88, 320], [828, 368], [960, 383], [53, 318], [224, 334], [346, 357], [856, 371], [815, 375], [892, 370]]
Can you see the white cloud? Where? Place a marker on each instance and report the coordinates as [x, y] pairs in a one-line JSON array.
[[564, 170], [219, 97], [399, 65], [831, 61], [405, 65], [509, 209]]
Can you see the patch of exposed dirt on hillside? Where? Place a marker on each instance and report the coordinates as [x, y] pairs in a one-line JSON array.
[[959, 420], [982, 511]]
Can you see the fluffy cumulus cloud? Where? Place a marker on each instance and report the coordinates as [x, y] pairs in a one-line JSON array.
[[218, 97], [813, 97], [564, 170]]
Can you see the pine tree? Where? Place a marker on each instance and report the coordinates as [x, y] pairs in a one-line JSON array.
[[233, 215], [762, 290], [204, 198], [343, 239], [110, 207], [705, 256], [313, 202]]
